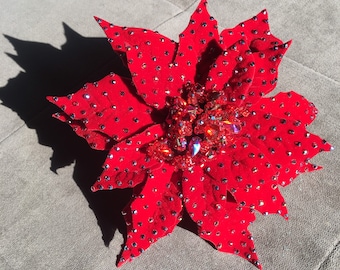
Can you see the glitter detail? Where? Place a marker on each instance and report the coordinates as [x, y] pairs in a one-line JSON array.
[[200, 124]]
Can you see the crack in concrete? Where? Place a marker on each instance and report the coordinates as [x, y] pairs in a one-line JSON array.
[[324, 264]]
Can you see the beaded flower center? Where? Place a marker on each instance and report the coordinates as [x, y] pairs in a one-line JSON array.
[[200, 124]]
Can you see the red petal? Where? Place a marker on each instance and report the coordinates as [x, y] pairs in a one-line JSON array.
[[232, 235], [123, 38], [267, 53], [127, 164], [154, 76], [278, 128], [233, 71], [288, 105], [198, 45], [266, 71], [256, 32], [219, 221], [203, 195], [149, 58], [95, 139], [202, 28], [153, 214], [249, 177], [107, 107]]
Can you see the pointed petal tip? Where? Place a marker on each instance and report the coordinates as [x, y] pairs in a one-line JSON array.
[[120, 262], [258, 265], [56, 115], [124, 257], [285, 46], [255, 261], [264, 13], [203, 3], [97, 19], [284, 214], [289, 42], [327, 146], [94, 189], [316, 167], [51, 99], [100, 20]]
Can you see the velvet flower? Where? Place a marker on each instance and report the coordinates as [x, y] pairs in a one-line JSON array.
[[193, 130]]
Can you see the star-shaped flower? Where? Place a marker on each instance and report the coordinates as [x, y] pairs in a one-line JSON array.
[[192, 129]]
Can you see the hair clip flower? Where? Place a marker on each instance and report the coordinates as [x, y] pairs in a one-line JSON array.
[[192, 128]]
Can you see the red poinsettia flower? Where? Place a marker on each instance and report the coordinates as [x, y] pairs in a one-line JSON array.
[[192, 128]]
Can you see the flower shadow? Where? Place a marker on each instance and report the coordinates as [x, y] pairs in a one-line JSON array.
[[50, 71]]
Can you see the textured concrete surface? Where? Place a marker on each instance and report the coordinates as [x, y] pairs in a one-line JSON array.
[[49, 217]]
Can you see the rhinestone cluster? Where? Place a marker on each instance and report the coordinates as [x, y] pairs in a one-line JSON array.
[[200, 123]]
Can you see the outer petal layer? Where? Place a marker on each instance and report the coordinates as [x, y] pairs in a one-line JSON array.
[[107, 107], [154, 212], [198, 45], [219, 220], [94, 138], [289, 106], [149, 58], [277, 127], [257, 33], [233, 71], [122, 39], [267, 51], [266, 71], [249, 177], [127, 163]]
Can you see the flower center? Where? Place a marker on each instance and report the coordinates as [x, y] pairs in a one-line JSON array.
[[199, 126]]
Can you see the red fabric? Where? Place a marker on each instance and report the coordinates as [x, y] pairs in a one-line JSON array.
[[220, 221], [233, 71], [221, 184], [127, 164], [154, 212], [96, 110]]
